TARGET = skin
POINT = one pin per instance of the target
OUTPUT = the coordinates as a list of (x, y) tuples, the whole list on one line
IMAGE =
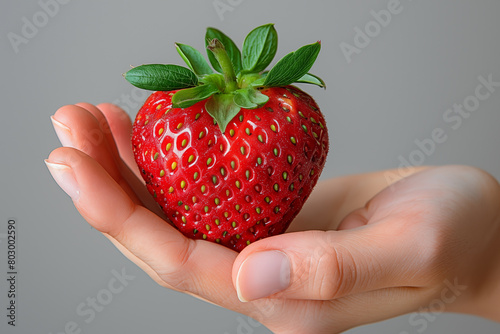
[(360, 240)]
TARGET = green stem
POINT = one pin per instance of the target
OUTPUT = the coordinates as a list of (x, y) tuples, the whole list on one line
[(225, 63)]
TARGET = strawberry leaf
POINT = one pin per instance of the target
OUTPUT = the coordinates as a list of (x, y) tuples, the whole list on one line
[(259, 82), (250, 98), (222, 108), (312, 79), (161, 77), (293, 66), (193, 59), (259, 48), (187, 97), (216, 79), (231, 49)]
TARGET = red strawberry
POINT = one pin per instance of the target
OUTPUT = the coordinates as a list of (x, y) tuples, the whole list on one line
[(234, 159)]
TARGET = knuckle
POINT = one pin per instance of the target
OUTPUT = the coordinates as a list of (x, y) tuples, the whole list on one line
[(175, 269), (334, 276), (327, 282)]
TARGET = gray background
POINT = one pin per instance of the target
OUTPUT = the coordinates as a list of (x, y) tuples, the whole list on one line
[(395, 91)]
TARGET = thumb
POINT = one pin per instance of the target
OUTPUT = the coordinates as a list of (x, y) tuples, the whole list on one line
[(324, 265)]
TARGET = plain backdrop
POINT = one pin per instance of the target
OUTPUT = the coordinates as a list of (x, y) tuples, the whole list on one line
[(388, 91)]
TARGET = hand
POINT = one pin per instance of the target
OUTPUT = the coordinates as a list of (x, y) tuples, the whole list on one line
[(429, 242), (397, 248)]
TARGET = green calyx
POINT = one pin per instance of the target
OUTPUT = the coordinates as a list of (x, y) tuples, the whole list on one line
[(238, 77)]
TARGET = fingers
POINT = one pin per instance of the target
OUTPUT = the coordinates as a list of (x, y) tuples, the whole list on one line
[(326, 265), (85, 127), (121, 128), (199, 267), (82, 129), (79, 128)]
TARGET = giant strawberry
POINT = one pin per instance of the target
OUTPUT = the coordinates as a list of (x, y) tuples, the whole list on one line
[(230, 156)]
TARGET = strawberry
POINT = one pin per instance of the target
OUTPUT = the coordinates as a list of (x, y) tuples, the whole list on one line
[(230, 156)]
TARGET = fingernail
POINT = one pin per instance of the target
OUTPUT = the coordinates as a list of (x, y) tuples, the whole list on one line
[(65, 178), (63, 132), (263, 274)]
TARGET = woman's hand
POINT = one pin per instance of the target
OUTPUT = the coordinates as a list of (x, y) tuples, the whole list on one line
[(361, 250)]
